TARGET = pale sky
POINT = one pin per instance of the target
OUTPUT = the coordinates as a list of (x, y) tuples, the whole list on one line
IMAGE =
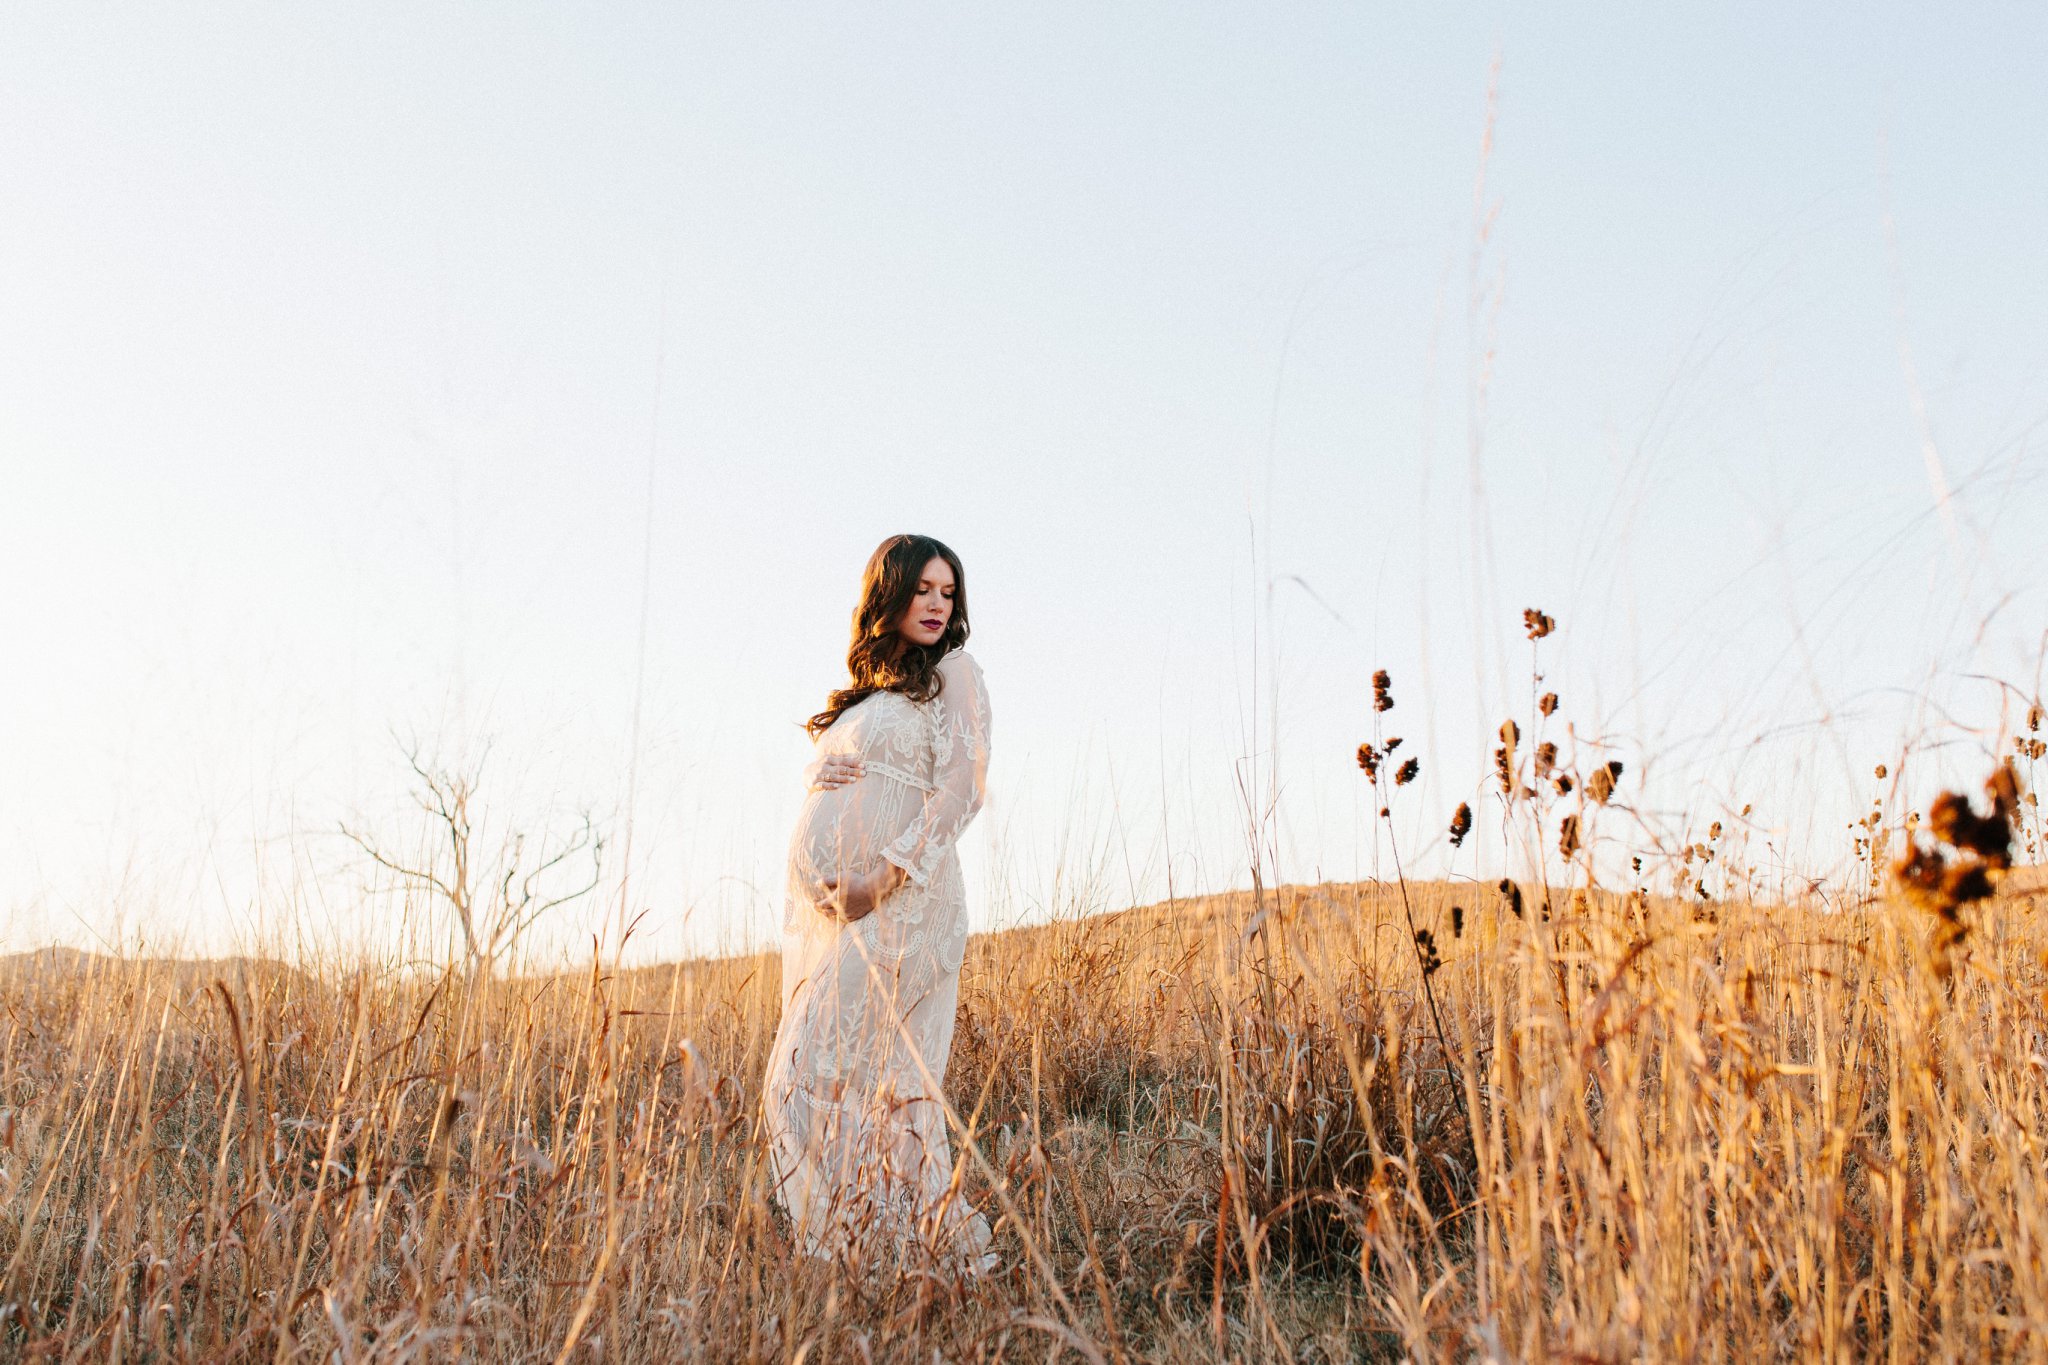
[(386, 370)]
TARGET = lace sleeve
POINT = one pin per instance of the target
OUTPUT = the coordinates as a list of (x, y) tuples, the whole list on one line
[(959, 770)]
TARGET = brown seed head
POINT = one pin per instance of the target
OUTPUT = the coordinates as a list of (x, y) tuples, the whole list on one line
[(2034, 716), (1882, 772), (1369, 759), (1600, 786), (1408, 772), (1425, 948), (1457, 921), (1548, 705), (1962, 868), (1382, 691), (1537, 624), (1568, 837), (1952, 820), (1514, 895), (1546, 758), (1461, 824), (2003, 787)]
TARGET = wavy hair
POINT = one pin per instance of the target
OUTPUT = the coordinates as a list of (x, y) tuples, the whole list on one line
[(880, 659)]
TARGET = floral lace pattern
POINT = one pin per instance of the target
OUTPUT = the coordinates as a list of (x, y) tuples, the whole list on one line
[(856, 1130)]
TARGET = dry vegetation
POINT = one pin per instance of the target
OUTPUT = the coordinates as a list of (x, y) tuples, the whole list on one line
[(1554, 1122)]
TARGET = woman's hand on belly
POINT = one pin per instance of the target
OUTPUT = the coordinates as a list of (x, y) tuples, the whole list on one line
[(855, 896), (828, 772)]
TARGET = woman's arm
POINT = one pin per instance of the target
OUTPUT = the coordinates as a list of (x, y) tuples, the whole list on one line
[(959, 771)]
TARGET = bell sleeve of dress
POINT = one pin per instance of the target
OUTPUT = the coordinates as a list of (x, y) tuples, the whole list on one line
[(959, 770)]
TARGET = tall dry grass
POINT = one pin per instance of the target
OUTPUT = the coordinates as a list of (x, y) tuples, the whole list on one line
[(1519, 1121), (1755, 1132)]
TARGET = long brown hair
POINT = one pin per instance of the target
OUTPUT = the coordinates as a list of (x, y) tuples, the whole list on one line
[(880, 659)]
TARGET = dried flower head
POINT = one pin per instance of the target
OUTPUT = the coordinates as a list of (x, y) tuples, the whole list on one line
[(1461, 824), (1537, 624), (1714, 830), (1546, 758), (1961, 865), (1457, 921), (1951, 819), (1504, 769), (1883, 772), (1382, 691), (1929, 880), (1548, 704), (1568, 837), (1564, 784), (1513, 894), (2034, 716), (1408, 772), (1393, 744), (1425, 948), (1600, 786), (1369, 759)]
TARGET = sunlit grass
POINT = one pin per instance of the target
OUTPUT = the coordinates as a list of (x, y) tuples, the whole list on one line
[(1543, 1117), (1728, 1131)]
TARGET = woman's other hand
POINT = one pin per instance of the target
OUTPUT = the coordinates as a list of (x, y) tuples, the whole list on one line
[(855, 897), (828, 772)]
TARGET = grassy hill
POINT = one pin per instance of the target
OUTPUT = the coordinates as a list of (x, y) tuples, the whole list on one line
[(1233, 1126)]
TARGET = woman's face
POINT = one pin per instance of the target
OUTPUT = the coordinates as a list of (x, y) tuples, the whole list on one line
[(932, 609)]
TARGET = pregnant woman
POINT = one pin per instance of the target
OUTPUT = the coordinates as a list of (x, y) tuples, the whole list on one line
[(874, 929)]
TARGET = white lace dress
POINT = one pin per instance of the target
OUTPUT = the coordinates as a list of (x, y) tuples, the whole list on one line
[(857, 1132)]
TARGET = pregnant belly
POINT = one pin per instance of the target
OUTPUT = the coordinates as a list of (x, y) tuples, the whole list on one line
[(834, 835)]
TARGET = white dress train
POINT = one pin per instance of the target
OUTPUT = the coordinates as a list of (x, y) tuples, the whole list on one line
[(854, 1111)]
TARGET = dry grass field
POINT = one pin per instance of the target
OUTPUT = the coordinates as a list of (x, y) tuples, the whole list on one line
[(1667, 1130), (1529, 1119)]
